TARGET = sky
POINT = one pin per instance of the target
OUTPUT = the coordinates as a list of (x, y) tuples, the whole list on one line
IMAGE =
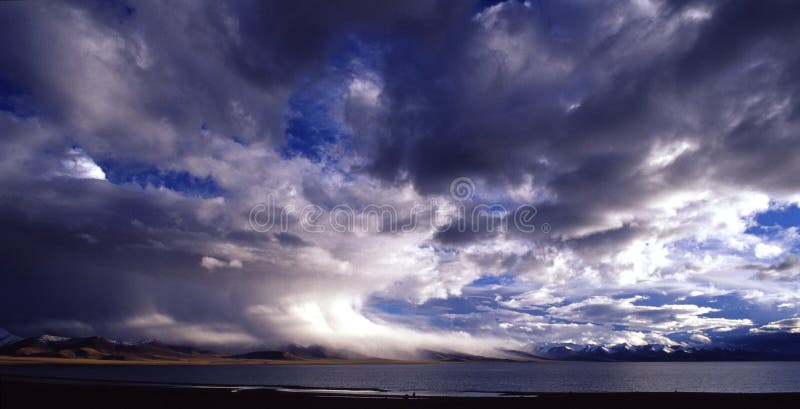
[(390, 176)]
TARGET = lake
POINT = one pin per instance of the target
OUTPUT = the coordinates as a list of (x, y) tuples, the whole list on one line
[(459, 378)]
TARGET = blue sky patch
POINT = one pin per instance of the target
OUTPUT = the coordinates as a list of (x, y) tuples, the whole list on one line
[(787, 216), (488, 280), (148, 175), (311, 127), (15, 99), (313, 120), (771, 222)]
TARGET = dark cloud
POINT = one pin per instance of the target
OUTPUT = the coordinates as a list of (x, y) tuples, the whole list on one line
[(177, 67), (630, 98), (291, 240), (786, 270), (112, 254)]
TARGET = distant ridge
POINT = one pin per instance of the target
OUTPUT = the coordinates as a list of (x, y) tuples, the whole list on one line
[(50, 346)]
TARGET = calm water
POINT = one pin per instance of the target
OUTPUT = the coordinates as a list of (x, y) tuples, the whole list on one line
[(452, 378)]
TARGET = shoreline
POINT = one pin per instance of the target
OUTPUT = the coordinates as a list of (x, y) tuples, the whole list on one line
[(28, 393)]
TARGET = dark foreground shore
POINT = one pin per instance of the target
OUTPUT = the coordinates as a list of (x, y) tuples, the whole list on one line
[(16, 393)]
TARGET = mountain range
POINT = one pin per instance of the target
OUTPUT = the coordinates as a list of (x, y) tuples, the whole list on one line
[(769, 347), (777, 346), (50, 346)]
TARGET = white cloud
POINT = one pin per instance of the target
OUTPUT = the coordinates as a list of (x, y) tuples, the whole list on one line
[(668, 318), (790, 325), (364, 91), (165, 328), (339, 322), (763, 250), (212, 263), (533, 298), (77, 164)]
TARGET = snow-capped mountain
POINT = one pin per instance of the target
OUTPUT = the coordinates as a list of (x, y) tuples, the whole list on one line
[(782, 346)]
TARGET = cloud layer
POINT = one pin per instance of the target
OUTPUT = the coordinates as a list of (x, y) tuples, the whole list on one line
[(651, 138)]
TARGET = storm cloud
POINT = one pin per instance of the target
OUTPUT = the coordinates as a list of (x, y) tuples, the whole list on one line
[(651, 138)]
